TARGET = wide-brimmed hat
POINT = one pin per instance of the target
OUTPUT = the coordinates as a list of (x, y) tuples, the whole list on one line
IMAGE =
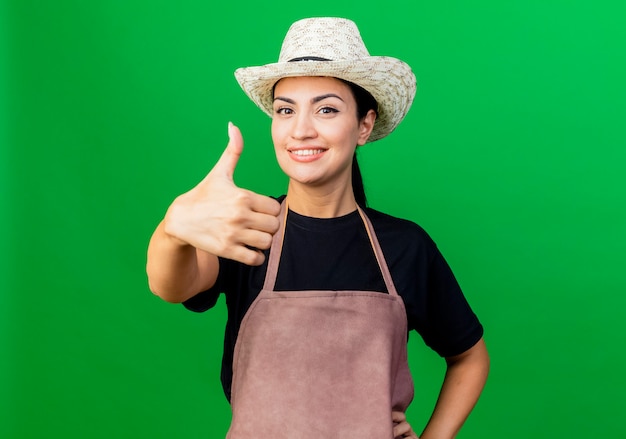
[(334, 47)]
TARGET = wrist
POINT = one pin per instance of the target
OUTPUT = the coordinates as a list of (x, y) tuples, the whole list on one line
[(169, 232), (172, 226)]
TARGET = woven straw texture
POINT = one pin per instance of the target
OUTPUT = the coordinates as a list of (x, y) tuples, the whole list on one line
[(338, 40)]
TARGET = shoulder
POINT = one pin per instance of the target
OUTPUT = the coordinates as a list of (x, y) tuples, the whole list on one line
[(399, 231), (410, 252), (376, 216)]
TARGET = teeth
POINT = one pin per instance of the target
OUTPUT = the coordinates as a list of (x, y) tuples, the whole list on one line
[(303, 152)]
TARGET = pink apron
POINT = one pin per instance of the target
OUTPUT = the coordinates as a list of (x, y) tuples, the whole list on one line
[(320, 364)]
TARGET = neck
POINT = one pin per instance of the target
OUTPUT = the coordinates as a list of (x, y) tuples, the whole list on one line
[(320, 202)]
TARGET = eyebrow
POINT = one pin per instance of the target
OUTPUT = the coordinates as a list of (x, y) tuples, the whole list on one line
[(315, 100)]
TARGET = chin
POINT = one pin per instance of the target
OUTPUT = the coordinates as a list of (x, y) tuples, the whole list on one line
[(305, 180), (302, 176)]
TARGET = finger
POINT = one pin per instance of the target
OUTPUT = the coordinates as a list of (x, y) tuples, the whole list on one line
[(398, 416), (403, 429), (264, 204), (262, 222), (245, 255), (255, 239), (228, 161)]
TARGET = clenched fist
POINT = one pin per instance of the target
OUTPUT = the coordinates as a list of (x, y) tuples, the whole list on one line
[(222, 219)]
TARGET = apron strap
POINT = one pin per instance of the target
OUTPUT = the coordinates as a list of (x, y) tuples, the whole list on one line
[(378, 251), (277, 248)]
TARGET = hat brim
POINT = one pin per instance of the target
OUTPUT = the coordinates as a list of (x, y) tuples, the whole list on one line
[(390, 81)]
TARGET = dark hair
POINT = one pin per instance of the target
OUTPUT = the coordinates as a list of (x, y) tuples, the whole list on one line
[(364, 103)]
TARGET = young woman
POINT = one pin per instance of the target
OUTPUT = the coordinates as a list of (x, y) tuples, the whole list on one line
[(320, 289)]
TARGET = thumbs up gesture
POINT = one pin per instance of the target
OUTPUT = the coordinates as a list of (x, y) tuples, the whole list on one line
[(222, 219)]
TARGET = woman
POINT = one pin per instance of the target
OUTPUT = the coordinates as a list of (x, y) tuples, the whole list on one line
[(320, 289)]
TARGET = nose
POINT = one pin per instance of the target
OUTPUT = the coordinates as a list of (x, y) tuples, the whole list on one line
[(303, 127)]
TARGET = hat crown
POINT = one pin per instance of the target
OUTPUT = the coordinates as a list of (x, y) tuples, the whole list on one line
[(333, 47), (333, 39)]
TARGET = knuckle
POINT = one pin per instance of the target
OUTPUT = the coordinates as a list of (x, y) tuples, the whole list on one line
[(275, 225), (265, 241), (233, 222), (253, 258), (242, 197), (229, 237), (239, 216), (221, 248), (276, 208)]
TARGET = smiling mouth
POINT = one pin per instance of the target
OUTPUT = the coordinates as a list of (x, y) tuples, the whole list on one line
[(306, 152)]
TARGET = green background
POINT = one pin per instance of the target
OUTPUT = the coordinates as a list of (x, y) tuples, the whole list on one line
[(512, 158)]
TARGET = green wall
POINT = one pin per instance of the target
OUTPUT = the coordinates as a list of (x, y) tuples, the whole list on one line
[(512, 157)]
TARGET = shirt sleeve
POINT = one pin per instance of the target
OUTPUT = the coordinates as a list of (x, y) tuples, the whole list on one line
[(450, 326), (203, 301)]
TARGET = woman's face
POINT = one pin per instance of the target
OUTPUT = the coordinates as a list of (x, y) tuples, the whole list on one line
[(315, 129)]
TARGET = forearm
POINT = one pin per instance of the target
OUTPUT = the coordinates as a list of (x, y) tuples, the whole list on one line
[(463, 383), (173, 267)]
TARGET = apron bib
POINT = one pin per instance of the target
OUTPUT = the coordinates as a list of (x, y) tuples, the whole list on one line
[(320, 364)]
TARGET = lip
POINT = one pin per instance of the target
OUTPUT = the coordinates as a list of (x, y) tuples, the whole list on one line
[(305, 154)]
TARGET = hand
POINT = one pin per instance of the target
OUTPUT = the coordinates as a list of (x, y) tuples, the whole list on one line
[(401, 428), (222, 219)]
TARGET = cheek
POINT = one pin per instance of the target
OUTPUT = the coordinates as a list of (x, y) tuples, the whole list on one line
[(278, 132), (278, 141)]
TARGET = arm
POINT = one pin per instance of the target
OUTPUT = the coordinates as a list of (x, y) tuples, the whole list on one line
[(464, 381), (176, 270), (214, 219)]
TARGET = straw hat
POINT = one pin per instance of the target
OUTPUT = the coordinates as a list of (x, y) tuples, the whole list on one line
[(334, 47)]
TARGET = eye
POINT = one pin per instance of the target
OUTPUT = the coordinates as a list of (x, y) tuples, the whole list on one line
[(328, 110), (284, 110)]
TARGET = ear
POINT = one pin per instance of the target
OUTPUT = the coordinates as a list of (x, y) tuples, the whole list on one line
[(366, 125)]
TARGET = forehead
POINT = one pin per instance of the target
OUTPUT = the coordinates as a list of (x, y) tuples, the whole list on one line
[(312, 85)]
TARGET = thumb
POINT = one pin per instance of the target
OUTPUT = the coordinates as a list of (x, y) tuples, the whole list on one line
[(228, 161)]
